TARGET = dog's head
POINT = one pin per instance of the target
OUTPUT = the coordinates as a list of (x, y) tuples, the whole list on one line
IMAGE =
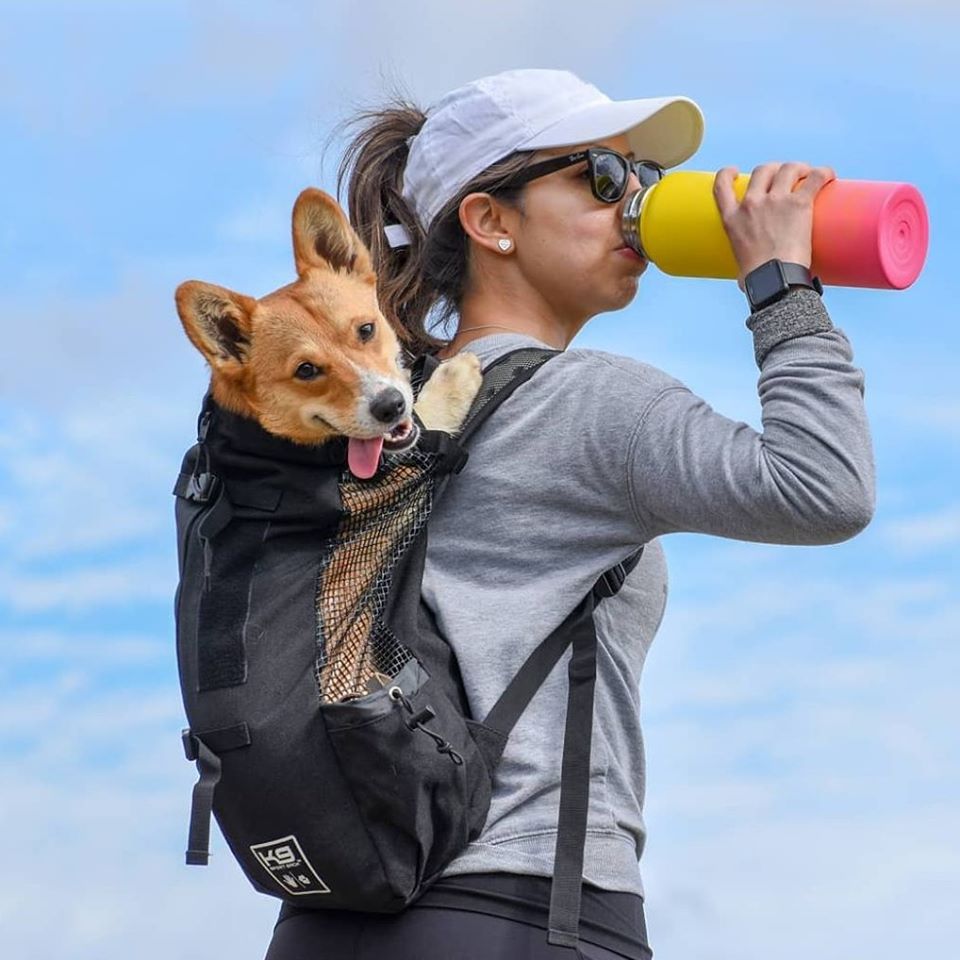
[(315, 359)]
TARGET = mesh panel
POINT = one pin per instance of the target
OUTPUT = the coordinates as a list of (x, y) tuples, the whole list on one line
[(498, 377), (356, 652)]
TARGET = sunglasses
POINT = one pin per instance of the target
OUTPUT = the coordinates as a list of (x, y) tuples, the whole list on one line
[(609, 171)]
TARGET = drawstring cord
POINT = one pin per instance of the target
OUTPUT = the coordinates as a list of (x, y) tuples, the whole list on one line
[(416, 721)]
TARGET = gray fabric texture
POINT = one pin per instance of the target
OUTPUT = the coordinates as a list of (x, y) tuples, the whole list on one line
[(799, 312), (595, 455)]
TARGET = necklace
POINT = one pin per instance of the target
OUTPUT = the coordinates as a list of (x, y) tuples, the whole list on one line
[(485, 326), (481, 326)]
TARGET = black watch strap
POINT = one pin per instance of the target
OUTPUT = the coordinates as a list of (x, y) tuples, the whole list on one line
[(798, 274), (770, 281)]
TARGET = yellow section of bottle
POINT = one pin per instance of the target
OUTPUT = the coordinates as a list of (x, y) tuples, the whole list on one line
[(680, 226)]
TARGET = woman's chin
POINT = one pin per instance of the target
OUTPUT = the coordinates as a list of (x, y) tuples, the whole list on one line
[(627, 290)]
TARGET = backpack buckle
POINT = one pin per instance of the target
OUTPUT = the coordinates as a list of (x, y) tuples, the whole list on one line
[(201, 487), (189, 744)]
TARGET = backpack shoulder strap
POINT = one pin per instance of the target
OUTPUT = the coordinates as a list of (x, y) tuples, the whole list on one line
[(500, 378), (542, 659), (612, 580)]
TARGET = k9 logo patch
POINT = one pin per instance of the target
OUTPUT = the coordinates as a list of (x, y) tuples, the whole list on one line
[(285, 862)]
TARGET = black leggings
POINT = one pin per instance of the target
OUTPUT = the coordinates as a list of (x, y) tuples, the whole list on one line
[(418, 933)]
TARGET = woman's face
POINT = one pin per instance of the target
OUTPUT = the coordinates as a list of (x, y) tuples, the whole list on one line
[(569, 247)]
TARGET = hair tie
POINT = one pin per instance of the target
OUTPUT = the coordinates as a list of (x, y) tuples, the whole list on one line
[(397, 235)]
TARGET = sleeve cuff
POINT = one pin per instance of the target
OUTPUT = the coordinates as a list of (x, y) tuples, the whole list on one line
[(798, 313)]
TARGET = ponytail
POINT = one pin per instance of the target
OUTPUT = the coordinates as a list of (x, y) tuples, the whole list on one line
[(429, 275), (372, 165)]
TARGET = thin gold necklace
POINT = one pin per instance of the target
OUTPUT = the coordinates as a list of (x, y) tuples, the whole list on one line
[(483, 326), (486, 326)]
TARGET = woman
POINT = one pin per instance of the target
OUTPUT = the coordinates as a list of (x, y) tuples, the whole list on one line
[(595, 455)]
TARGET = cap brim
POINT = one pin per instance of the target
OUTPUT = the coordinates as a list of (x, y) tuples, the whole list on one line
[(665, 129)]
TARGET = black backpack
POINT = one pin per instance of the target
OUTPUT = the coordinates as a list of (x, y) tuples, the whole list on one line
[(328, 719)]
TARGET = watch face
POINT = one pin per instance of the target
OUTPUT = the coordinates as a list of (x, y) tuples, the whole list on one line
[(765, 282)]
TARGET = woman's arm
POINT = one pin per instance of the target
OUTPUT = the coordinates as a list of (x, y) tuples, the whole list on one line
[(808, 478)]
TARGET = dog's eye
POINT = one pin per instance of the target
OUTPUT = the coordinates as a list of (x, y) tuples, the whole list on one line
[(366, 331), (308, 371)]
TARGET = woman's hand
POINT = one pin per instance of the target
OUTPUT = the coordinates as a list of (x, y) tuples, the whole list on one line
[(775, 217)]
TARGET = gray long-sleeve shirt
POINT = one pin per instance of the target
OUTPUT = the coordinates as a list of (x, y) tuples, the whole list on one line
[(593, 456)]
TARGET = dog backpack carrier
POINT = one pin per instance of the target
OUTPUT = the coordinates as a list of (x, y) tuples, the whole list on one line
[(328, 719)]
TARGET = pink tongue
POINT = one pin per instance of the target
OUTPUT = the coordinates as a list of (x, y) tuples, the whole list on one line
[(363, 456)]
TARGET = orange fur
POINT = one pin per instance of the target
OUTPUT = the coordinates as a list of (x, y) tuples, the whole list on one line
[(255, 346)]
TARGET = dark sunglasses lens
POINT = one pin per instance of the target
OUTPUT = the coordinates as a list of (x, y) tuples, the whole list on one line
[(609, 176), (648, 173)]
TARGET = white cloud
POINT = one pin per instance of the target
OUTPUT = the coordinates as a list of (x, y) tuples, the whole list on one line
[(800, 743), (788, 593), (925, 532), (91, 651), (839, 887), (99, 792), (97, 354), (654, 46), (92, 478), (78, 488), (173, 57), (89, 588), (89, 464), (109, 851)]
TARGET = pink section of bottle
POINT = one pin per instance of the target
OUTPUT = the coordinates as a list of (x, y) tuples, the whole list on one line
[(869, 233)]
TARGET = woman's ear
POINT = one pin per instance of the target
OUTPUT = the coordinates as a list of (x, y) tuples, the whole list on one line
[(487, 221)]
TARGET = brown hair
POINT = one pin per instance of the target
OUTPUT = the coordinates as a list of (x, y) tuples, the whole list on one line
[(431, 274)]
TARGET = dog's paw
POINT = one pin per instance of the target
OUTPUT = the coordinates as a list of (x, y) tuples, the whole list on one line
[(447, 396), (459, 376)]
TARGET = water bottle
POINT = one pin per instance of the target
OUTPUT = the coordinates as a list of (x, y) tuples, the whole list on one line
[(866, 233)]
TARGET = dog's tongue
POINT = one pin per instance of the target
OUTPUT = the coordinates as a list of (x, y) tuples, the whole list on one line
[(363, 456)]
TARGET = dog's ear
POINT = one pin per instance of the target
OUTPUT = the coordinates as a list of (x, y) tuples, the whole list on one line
[(217, 321), (323, 238)]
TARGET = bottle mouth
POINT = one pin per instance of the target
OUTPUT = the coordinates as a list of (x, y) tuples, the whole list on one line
[(630, 222)]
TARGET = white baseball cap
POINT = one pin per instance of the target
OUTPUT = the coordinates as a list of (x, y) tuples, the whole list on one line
[(474, 126)]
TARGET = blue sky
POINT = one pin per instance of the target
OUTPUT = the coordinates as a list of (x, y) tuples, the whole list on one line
[(799, 702)]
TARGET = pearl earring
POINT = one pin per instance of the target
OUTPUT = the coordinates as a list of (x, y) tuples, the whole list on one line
[(505, 244)]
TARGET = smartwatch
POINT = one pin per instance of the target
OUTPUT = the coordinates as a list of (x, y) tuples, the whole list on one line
[(771, 280)]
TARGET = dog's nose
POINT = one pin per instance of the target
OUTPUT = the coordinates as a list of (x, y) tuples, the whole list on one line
[(388, 406)]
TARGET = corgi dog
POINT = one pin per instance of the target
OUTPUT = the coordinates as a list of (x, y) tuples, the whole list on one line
[(317, 359)]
